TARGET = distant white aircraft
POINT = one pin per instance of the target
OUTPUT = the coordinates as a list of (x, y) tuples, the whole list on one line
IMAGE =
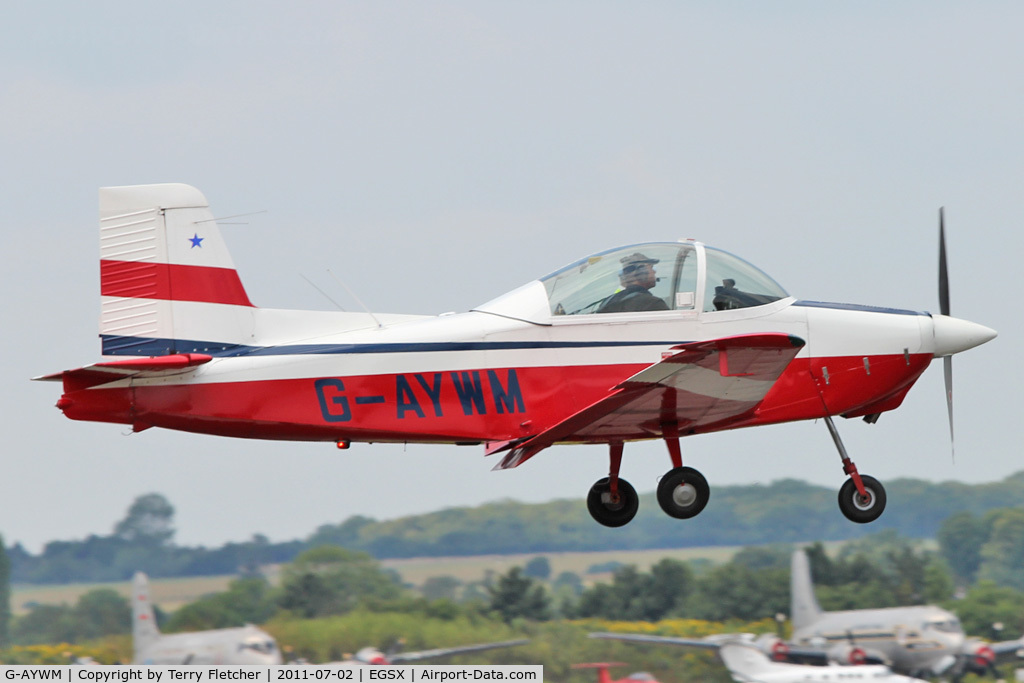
[(922, 639), (370, 656), (744, 657), (244, 645)]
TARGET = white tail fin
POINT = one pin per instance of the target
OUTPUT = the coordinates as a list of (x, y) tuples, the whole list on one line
[(167, 281), (144, 628), (804, 607)]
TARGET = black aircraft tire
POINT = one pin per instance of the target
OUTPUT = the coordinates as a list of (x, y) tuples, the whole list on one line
[(856, 510), (612, 514), (683, 492)]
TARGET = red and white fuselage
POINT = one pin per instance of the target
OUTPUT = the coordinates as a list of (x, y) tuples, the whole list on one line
[(185, 349)]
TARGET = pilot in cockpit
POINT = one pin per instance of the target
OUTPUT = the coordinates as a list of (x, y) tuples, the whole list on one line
[(637, 277)]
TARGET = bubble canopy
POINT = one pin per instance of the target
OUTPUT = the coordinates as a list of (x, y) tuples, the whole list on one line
[(650, 278)]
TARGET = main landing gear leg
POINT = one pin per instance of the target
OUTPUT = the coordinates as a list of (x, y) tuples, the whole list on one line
[(683, 491), (613, 501), (861, 498)]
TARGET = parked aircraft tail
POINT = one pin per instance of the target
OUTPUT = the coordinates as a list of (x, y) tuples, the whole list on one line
[(804, 607), (144, 628), (166, 276)]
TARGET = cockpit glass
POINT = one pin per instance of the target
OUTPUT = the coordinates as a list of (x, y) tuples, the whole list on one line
[(733, 283), (645, 277), (261, 646), (945, 626)]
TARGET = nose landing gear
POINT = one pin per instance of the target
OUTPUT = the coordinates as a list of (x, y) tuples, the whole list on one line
[(861, 498)]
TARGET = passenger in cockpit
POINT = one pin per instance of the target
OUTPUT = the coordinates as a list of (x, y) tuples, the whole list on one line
[(636, 277)]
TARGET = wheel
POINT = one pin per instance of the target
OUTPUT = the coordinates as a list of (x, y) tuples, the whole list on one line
[(683, 492), (861, 510), (608, 513)]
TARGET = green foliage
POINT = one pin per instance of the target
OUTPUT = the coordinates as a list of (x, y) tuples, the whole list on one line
[(960, 539), (441, 588), (881, 570), (538, 568), (150, 520), (517, 596), (247, 601), (989, 548), (109, 652), (332, 580), (783, 512), (1002, 555), (776, 556), (100, 612), (734, 591), (986, 604), (331, 638), (5, 596), (567, 584), (558, 645), (636, 595)]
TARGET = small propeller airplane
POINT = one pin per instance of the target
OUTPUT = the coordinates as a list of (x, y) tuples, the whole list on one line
[(371, 656), (748, 660), (658, 340), (603, 675), (919, 641), (923, 640)]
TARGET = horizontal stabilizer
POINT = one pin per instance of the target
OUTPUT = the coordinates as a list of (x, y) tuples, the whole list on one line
[(110, 371), (175, 361)]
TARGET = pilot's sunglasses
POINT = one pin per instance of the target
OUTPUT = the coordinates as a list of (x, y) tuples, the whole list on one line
[(635, 267)]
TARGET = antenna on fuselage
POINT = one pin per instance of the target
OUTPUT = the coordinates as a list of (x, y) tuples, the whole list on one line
[(358, 300), (326, 295), (237, 215)]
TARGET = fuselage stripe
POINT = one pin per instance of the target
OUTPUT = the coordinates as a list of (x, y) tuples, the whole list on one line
[(141, 346)]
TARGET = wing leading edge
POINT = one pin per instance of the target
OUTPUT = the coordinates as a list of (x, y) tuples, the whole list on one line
[(706, 383)]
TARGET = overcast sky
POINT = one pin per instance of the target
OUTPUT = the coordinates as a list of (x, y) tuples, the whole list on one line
[(437, 154)]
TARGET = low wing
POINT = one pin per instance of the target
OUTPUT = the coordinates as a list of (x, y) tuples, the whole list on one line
[(1008, 649), (403, 657), (702, 643), (702, 384)]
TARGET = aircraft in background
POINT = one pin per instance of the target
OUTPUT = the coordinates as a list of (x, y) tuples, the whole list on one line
[(243, 645), (747, 662), (373, 656), (923, 639), (658, 340), (604, 677)]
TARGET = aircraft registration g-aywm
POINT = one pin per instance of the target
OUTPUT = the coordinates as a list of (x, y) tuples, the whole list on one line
[(657, 340)]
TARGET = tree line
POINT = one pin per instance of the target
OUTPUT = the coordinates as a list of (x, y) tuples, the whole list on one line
[(348, 595), (785, 511)]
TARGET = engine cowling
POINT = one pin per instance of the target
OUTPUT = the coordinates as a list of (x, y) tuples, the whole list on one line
[(980, 658), (847, 654)]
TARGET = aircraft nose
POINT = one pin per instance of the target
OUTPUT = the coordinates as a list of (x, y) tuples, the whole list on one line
[(953, 335)]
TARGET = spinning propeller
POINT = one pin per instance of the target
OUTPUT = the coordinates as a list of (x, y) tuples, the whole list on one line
[(947, 362), (952, 335)]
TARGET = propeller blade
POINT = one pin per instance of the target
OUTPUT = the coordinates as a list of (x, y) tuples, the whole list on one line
[(947, 371), (943, 272), (947, 362)]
